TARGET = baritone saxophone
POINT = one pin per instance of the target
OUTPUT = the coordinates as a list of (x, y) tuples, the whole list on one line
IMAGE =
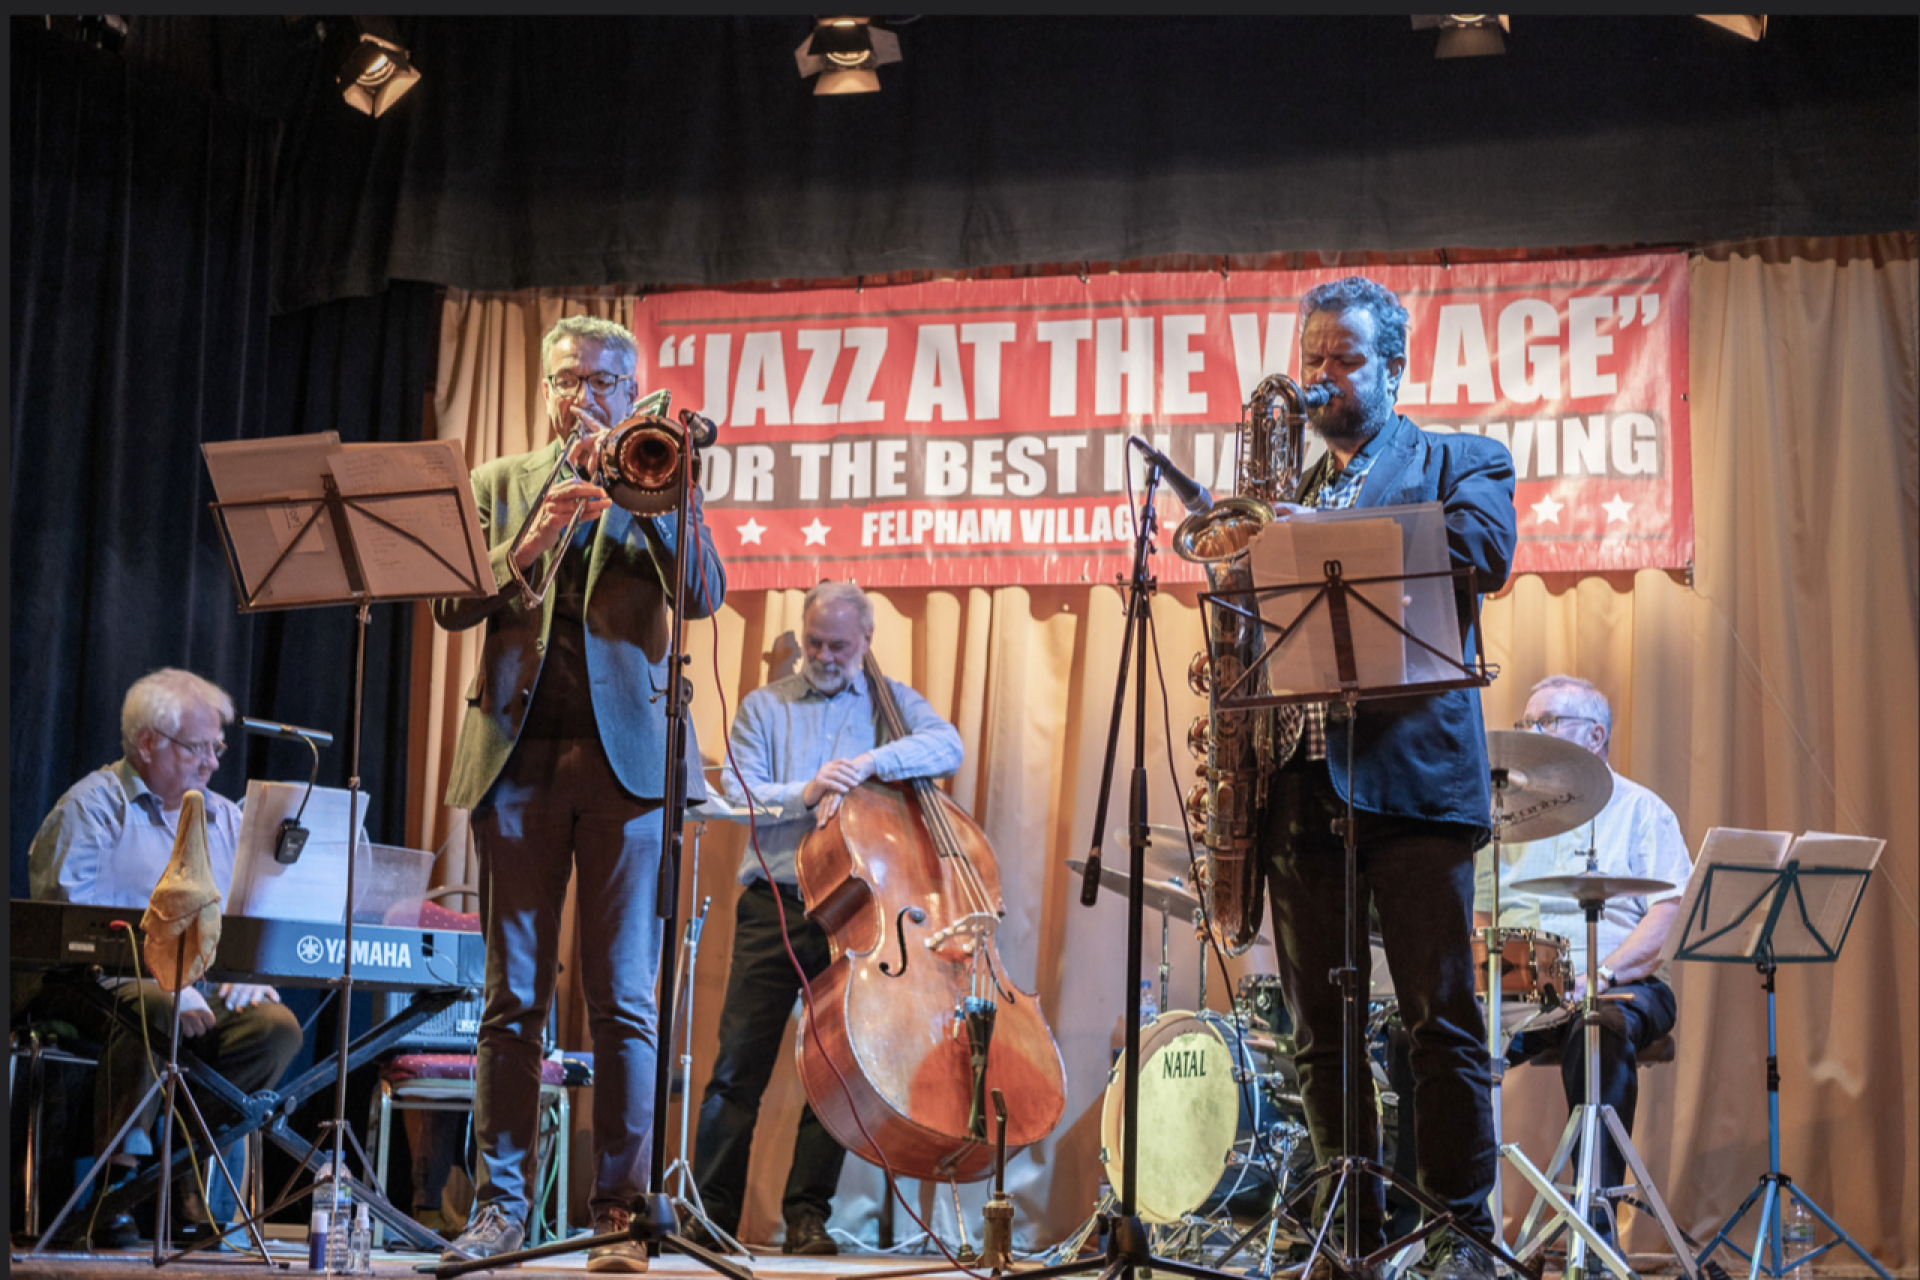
[(1238, 748)]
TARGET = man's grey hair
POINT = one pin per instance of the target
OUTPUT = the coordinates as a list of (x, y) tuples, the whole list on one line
[(1586, 698), (846, 593), (161, 699), (1358, 292), (608, 333)]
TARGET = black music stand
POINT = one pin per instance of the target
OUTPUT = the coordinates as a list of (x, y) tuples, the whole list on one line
[(1778, 897), (390, 523), (652, 1219), (1333, 604)]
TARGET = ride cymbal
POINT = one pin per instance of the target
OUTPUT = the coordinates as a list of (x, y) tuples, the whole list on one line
[(1542, 785)]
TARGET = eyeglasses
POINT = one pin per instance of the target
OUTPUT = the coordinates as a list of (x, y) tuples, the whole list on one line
[(211, 750), (568, 383), (1550, 721)]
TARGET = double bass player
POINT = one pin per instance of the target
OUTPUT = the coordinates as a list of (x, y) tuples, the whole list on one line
[(800, 743)]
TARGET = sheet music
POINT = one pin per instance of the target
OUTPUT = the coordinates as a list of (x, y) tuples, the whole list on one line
[(1732, 893), (1829, 900), (412, 545), (293, 468), (1296, 550), (315, 886)]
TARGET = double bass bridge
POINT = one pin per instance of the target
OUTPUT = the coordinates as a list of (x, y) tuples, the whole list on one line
[(972, 931)]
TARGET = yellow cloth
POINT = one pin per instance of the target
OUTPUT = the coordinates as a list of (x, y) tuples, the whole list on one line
[(185, 902)]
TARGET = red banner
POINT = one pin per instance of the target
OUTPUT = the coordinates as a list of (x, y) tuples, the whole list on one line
[(974, 432)]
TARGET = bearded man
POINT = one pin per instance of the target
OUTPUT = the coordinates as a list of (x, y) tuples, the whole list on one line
[(800, 744), (1419, 788)]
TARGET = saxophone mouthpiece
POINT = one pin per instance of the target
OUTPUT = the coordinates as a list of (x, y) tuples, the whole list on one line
[(1312, 397)]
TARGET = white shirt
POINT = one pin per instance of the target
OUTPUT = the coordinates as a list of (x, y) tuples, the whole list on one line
[(1636, 834)]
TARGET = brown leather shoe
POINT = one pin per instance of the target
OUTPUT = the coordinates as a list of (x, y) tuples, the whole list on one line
[(622, 1255)]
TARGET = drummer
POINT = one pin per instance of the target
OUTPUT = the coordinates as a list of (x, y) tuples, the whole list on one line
[(1635, 835)]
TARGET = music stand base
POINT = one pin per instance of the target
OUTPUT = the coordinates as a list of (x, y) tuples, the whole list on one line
[(650, 1223), (1770, 1192)]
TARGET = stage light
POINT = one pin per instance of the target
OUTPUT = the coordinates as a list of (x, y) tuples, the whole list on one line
[(1750, 25), (1466, 35), (373, 70), (844, 52)]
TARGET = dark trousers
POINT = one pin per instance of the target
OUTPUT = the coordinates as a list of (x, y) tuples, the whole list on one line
[(559, 811), (1418, 878), (761, 988), (1626, 1027)]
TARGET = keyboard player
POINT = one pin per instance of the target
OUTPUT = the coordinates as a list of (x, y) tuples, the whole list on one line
[(105, 843)]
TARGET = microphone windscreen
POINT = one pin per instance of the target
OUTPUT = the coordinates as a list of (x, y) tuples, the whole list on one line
[(184, 904)]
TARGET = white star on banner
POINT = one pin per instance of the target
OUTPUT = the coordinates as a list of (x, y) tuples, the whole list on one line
[(750, 532), (1617, 509), (816, 533), (1547, 510)]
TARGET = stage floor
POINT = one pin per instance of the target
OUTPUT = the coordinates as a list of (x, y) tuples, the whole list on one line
[(774, 1266)]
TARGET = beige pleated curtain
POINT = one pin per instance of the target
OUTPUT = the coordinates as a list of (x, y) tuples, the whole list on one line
[(1779, 689)]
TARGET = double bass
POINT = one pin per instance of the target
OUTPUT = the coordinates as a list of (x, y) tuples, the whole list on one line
[(916, 1019)]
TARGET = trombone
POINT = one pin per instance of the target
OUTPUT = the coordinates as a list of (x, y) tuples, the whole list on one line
[(637, 463)]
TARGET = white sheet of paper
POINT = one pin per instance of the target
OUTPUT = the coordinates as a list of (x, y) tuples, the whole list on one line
[(1296, 550), (315, 886), (1829, 900), (420, 544), (1732, 892)]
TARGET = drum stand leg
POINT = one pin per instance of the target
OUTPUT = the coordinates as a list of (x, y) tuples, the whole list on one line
[(1585, 1123)]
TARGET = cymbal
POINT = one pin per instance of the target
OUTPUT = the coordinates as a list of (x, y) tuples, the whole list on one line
[(1166, 849), (1170, 896), (1591, 886), (1550, 785)]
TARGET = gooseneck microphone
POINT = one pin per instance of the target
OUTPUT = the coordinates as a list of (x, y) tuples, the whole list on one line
[(1192, 494), (273, 729)]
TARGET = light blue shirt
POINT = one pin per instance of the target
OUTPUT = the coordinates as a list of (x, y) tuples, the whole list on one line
[(784, 732), (108, 839)]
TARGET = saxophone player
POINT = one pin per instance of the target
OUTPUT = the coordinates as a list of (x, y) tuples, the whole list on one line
[(1421, 795)]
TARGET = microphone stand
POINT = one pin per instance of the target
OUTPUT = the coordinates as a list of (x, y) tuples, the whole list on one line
[(652, 1221), (1129, 1248)]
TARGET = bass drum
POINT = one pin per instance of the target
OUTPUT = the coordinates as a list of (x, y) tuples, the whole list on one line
[(1201, 1100)]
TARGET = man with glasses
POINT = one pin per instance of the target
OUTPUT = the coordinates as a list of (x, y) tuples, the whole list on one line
[(1636, 835), (105, 843), (562, 759)]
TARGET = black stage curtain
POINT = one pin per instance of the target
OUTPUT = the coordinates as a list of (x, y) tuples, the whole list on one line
[(544, 152), (140, 330)]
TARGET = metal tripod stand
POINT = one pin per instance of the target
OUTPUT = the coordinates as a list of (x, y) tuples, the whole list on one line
[(169, 1085)]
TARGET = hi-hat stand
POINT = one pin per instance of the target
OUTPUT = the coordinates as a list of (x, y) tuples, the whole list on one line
[(1591, 1122)]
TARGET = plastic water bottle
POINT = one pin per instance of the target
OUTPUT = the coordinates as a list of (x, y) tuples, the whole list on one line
[(339, 1228), (317, 1229), (1148, 1009), (360, 1243), (1796, 1242)]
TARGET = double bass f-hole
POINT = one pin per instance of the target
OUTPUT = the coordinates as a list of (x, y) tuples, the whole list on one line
[(900, 918)]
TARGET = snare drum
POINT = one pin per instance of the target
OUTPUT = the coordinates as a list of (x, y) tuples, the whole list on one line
[(1533, 965), (1200, 1095)]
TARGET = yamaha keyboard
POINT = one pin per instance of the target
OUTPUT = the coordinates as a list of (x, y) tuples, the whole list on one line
[(290, 953)]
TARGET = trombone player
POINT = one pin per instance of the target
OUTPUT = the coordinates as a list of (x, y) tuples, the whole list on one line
[(561, 757)]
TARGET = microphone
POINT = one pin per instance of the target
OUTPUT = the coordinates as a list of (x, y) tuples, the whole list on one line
[(700, 431), (1192, 494), (273, 729)]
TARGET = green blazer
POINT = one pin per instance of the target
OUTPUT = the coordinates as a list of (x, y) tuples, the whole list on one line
[(628, 635)]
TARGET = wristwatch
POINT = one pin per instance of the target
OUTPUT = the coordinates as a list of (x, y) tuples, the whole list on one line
[(1607, 974)]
